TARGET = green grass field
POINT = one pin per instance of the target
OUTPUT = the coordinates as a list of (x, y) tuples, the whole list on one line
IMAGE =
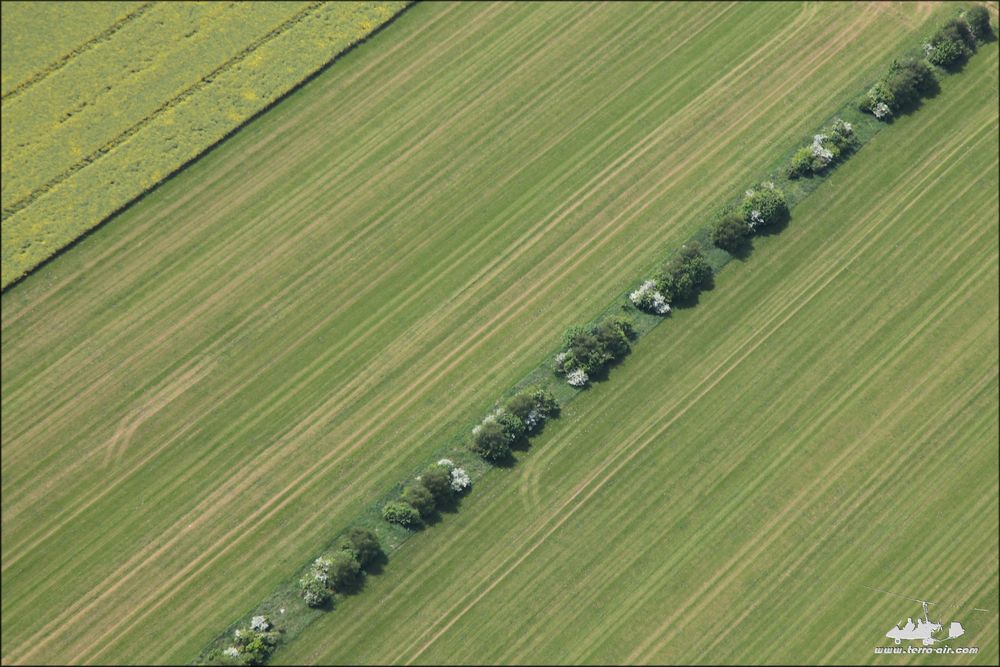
[(123, 95), (199, 394), (825, 419)]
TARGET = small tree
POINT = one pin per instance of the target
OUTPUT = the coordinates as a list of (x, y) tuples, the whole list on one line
[(978, 19), (437, 480), (314, 591), (420, 498), (491, 442), (520, 405), (364, 545), (545, 402), (730, 232), (909, 80), (401, 513), (513, 426), (344, 570), (764, 207), (800, 165), (952, 44), (684, 274)]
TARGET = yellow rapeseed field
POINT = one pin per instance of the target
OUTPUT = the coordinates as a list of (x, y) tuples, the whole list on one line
[(102, 100)]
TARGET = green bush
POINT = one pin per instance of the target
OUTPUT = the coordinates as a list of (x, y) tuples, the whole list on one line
[(978, 19), (587, 351), (363, 544), (800, 165), (491, 442), (909, 80), (764, 207), (520, 405), (532, 406), (583, 351), (731, 232), (401, 513), (843, 137), (417, 496), (314, 591), (685, 274), (437, 480), (614, 334), (947, 54), (952, 44), (343, 571)]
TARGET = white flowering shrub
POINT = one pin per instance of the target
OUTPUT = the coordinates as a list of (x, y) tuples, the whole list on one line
[(648, 298), (533, 420), (821, 154), (882, 111), (577, 378), (828, 147), (321, 570), (447, 463), (764, 207), (260, 624), (314, 590), (252, 647), (460, 480)]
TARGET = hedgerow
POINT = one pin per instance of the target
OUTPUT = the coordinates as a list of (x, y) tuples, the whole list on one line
[(832, 145)]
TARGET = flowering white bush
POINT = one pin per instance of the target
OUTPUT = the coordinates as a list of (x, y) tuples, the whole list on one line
[(882, 110), (577, 378), (928, 47), (821, 153), (447, 463), (560, 362), (260, 624), (238, 635), (648, 298), (756, 219), (460, 480), (314, 590), (232, 652), (534, 420), (321, 570)]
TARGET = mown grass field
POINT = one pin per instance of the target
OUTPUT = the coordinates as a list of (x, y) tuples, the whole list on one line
[(123, 95), (198, 394), (825, 420)]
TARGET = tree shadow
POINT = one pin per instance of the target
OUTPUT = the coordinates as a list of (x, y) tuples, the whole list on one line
[(776, 227), (376, 565)]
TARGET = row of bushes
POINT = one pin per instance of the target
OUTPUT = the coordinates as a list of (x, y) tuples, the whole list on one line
[(509, 426), (434, 490), (252, 645), (587, 351), (830, 146), (343, 570), (910, 79), (762, 208)]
